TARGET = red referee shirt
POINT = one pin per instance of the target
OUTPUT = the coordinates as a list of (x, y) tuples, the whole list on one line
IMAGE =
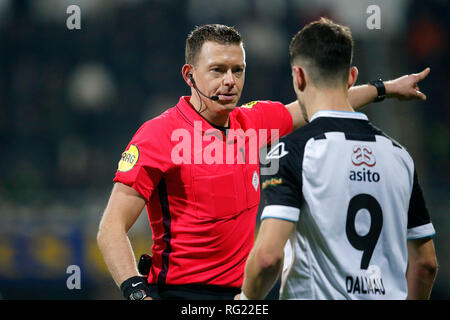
[(201, 205)]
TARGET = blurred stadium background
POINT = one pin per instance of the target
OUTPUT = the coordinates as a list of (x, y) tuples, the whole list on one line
[(70, 100)]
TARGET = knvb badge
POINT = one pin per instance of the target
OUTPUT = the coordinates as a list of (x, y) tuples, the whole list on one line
[(255, 180)]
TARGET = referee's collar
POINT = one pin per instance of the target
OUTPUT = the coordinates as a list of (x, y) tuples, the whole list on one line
[(339, 114)]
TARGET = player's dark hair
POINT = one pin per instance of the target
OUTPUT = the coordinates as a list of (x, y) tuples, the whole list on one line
[(210, 32), (326, 48)]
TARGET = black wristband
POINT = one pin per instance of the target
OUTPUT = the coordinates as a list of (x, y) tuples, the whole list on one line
[(381, 89), (134, 284)]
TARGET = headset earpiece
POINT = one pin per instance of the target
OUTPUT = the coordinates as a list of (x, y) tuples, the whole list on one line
[(191, 77)]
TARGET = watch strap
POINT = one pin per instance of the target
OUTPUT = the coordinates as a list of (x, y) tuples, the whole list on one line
[(132, 285), (381, 89)]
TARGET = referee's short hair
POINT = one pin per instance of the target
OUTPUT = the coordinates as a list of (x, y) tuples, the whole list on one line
[(210, 32), (325, 49)]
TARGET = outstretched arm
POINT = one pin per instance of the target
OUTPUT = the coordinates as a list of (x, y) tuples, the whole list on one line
[(402, 88)]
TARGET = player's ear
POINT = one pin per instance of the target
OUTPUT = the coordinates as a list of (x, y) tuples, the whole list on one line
[(299, 75), (187, 72), (352, 76)]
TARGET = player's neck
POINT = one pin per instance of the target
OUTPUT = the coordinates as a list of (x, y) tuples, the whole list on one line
[(331, 99)]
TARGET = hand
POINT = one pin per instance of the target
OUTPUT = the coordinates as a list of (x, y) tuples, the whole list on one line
[(237, 297), (148, 298), (406, 87)]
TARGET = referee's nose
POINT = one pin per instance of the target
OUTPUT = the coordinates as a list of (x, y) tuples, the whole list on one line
[(228, 79)]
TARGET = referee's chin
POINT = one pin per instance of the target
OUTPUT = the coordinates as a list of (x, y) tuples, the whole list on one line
[(226, 107)]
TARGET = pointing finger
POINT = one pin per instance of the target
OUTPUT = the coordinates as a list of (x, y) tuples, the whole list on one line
[(422, 75)]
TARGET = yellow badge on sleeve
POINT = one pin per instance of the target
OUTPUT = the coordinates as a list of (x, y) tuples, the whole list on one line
[(129, 159), (249, 105)]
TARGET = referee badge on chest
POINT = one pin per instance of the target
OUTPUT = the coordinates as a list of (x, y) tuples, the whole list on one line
[(255, 180)]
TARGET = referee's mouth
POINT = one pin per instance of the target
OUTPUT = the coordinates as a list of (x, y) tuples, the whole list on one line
[(227, 96)]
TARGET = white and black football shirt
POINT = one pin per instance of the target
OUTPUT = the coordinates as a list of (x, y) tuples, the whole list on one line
[(355, 198)]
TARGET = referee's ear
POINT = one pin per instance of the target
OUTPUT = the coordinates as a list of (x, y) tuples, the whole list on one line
[(187, 70), (352, 76)]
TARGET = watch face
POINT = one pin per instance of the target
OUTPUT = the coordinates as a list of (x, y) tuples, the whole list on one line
[(137, 295)]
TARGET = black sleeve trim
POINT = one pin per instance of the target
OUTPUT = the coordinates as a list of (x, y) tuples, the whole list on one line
[(417, 213)]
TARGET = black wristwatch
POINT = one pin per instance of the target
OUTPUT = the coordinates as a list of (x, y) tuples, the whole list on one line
[(138, 295), (135, 288), (381, 89)]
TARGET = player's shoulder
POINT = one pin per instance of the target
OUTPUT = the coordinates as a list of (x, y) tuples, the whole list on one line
[(294, 143), (390, 141), (299, 137), (384, 135)]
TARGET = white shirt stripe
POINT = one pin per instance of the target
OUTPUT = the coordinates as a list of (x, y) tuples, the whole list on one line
[(426, 230), (281, 212)]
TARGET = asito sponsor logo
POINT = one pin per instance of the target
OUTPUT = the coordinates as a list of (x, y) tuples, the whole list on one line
[(363, 156), (364, 175)]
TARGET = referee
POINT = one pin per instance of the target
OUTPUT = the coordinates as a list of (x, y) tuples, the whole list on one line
[(345, 210)]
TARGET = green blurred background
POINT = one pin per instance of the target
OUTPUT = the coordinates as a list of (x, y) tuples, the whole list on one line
[(70, 100)]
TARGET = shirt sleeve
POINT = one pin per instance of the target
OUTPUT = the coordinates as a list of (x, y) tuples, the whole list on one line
[(419, 222), (283, 190), (272, 116), (144, 161)]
